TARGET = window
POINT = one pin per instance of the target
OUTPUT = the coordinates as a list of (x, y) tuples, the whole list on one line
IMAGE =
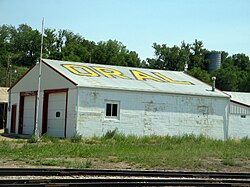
[(243, 116), (112, 110)]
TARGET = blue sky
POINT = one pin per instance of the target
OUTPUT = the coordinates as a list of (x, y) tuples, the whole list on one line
[(222, 25)]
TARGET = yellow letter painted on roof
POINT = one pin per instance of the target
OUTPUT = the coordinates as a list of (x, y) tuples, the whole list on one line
[(170, 80), (80, 70), (143, 76), (110, 73)]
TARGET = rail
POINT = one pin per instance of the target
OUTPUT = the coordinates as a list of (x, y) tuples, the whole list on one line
[(79, 177)]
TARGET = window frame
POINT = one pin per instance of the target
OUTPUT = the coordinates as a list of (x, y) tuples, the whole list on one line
[(117, 103)]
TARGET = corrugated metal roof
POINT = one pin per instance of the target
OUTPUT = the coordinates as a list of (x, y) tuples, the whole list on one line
[(128, 78), (240, 97), (4, 95)]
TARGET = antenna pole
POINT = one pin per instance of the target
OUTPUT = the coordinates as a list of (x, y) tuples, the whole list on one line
[(36, 130)]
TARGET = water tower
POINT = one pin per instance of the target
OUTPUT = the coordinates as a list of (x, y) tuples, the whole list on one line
[(214, 58)]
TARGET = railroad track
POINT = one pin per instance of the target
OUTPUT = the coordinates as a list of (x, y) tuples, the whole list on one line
[(77, 177)]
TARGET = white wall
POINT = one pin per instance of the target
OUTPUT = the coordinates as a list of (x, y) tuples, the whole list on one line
[(50, 80), (150, 113), (239, 121), (71, 113), (14, 100)]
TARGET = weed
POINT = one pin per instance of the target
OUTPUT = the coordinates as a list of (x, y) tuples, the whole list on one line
[(33, 139), (76, 138), (110, 134), (20, 141), (45, 138), (186, 152), (91, 141), (54, 139), (228, 161), (51, 162), (86, 164), (4, 142)]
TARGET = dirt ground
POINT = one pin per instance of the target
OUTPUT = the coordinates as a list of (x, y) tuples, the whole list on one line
[(2, 137)]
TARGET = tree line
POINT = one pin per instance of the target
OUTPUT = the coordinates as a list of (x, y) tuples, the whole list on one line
[(20, 49)]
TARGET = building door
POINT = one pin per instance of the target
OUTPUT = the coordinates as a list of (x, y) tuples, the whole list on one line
[(27, 111), (54, 117), (56, 114), (13, 119), (29, 114)]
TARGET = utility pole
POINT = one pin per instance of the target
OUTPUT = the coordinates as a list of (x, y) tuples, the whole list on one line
[(9, 71), (36, 130)]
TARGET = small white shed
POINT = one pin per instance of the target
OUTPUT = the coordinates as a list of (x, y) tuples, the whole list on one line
[(90, 99), (239, 120), (3, 106)]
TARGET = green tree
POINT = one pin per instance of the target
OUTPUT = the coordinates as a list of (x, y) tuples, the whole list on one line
[(245, 86), (226, 79), (49, 44), (241, 61), (197, 56), (26, 45), (114, 53), (77, 48), (168, 58), (200, 74), (6, 48)]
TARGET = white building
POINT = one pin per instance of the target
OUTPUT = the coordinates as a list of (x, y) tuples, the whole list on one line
[(3, 106), (239, 120), (90, 99)]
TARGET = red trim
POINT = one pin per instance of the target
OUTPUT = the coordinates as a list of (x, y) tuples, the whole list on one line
[(45, 113), (31, 93), (60, 73), (21, 109), (56, 90), (45, 109), (227, 94), (20, 120), (35, 113), (243, 104), (13, 119), (48, 66), (66, 112)]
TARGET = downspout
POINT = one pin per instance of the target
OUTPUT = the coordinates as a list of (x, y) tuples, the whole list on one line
[(77, 110), (227, 119)]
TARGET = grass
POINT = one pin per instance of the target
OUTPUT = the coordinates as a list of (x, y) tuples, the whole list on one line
[(151, 152)]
